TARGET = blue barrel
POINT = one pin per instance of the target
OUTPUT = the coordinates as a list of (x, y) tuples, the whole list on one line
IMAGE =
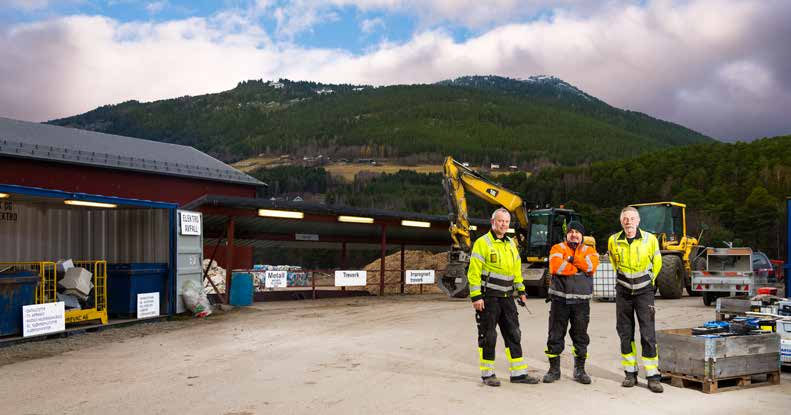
[(126, 281), (241, 288), (17, 289)]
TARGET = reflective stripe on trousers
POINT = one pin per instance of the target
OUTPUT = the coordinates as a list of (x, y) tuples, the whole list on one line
[(570, 296), (629, 361), (517, 366), (487, 366)]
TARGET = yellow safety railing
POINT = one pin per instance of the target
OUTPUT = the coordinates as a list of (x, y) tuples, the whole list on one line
[(46, 291)]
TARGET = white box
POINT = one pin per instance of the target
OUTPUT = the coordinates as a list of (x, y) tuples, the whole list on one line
[(785, 351), (77, 281), (783, 328)]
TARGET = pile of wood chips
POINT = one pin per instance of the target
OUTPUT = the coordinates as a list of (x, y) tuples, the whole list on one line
[(413, 260)]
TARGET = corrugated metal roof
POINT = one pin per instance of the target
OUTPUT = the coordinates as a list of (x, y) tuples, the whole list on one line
[(70, 145)]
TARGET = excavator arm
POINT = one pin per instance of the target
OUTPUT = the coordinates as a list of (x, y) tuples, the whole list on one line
[(459, 180)]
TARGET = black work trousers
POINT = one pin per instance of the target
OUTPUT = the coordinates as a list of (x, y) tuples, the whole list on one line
[(627, 306), (560, 315), (498, 311)]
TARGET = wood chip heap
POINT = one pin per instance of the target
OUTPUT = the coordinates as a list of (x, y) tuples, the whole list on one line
[(413, 260)]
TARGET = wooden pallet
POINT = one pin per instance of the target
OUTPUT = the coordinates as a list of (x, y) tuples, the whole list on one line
[(723, 384)]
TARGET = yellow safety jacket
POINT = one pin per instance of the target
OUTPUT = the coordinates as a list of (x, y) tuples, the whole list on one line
[(495, 268), (636, 264)]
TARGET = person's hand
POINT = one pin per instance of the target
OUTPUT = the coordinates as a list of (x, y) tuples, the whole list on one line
[(477, 305), (523, 297)]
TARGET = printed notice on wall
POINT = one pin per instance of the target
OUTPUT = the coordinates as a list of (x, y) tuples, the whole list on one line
[(190, 223), (147, 305), (350, 278), (43, 319), (423, 276), (276, 279)]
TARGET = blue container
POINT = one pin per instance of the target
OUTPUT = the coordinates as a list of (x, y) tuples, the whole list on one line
[(241, 288), (126, 281), (16, 290)]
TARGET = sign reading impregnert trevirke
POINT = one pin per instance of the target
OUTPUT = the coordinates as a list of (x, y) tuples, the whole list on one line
[(43, 318), (422, 276), (350, 278)]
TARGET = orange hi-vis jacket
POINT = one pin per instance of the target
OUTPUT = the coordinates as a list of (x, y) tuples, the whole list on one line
[(572, 272)]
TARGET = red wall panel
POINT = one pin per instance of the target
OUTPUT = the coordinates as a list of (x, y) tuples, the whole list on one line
[(109, 182), (242, 256)]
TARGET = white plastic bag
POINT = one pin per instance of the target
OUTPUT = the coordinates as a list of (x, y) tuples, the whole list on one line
[(195, 299)]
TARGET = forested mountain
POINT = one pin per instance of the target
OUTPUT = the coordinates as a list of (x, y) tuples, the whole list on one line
[(522, 122), (736, 190)]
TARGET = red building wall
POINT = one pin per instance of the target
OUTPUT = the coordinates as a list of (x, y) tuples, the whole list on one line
[(242, 256), (109, 182)]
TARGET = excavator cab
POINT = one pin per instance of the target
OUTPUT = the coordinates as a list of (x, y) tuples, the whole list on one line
[(547, 227)]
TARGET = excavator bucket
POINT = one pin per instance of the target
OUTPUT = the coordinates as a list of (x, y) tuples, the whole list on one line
[(454, 281)]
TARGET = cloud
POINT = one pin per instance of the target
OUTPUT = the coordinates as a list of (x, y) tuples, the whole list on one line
[(368, 26), (156, 7), (720, 67)]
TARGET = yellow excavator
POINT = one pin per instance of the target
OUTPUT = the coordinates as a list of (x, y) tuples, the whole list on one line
[(535, 231)]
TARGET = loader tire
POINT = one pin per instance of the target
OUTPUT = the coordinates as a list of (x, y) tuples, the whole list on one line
[(698, 264), (670, 280)]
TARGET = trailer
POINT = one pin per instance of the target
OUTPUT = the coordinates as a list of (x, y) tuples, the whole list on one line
[(728, 272)]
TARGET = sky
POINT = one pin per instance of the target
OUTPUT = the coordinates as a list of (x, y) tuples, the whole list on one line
[(720, 67)]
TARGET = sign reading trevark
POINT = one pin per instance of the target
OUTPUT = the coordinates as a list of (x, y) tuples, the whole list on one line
[(43, 318), (190, 223), (276, 279), (351, 278), (423, 276)]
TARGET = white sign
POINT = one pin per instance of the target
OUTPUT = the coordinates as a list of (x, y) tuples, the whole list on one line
[(276, 279), (306, 236), (43, 318), (425, 276), (190, 223), (350, 278), (147, 305)]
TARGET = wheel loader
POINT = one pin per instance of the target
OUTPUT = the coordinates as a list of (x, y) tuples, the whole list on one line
[(680, 252)]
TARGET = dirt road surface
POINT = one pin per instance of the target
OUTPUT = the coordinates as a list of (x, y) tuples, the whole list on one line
[(373, 355)]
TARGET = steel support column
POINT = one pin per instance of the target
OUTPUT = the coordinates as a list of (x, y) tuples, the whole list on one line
[(403, 272), (382, 265), (229, 258)]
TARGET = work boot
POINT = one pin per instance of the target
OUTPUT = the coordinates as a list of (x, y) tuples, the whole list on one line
[(630, 380), (525, 379), (579, 371), (553, 373), (654, 385), (491, 381)]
